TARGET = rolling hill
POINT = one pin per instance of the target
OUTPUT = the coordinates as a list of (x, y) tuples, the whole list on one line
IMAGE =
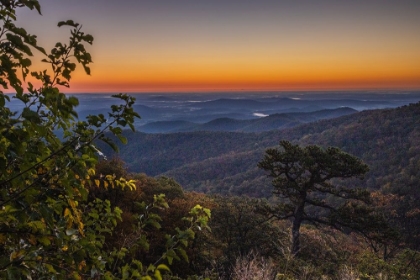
[(271, 122), (225, 162)]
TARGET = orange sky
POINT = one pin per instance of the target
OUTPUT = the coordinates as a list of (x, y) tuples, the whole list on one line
[(143, 46)]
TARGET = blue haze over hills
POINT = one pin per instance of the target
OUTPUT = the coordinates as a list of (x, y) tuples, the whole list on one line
[(240, 111)]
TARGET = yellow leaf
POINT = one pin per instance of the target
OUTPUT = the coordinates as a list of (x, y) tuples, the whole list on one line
[(67, 212), (97, 183), (81, 226), (72, 203), (82, 264), (157, 275), (163, 267), (16, 255)]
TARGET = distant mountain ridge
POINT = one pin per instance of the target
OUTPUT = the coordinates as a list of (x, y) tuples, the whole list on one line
[(271, 122), (285, 102), (225, 162), (201, 108)]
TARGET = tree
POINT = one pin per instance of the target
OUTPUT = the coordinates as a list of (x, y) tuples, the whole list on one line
[(239, 230), (307, 180), (48, 227)]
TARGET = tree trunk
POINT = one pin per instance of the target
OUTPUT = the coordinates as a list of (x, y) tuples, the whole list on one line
[(296, 228)]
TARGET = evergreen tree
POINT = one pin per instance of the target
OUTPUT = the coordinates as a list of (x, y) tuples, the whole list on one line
[(307, 181)]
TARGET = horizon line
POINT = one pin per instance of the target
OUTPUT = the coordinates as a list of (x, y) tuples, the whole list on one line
[(207, 91)]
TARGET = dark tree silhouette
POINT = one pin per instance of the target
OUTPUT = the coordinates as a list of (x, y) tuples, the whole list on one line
[(302, 178)]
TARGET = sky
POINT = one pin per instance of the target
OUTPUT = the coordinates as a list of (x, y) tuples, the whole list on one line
[(197, 45)]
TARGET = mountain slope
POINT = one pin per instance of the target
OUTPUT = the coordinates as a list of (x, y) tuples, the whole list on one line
[(225, 162)]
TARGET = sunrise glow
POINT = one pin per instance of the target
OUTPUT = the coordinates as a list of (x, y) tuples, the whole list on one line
[(143, 46)]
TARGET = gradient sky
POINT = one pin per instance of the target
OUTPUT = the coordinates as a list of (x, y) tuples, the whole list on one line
[(190, 45)]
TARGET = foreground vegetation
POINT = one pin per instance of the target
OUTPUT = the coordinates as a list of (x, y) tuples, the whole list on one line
[(69, 213), (50, 225), (244, 243)]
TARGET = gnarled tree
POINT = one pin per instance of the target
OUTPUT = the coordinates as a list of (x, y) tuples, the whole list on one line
[(307, 179)]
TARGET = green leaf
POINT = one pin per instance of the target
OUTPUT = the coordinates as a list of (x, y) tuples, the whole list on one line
[(30, 115), (87, 69), (68, 22), (73, 101), (88, 38), (44, 240), (2, 100), (122, 139), (183, 254), (50, 268)]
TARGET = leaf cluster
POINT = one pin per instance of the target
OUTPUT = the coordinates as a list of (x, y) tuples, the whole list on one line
[(49, 228)]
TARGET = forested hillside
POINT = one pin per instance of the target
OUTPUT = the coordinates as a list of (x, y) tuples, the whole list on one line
[(225, 162)]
